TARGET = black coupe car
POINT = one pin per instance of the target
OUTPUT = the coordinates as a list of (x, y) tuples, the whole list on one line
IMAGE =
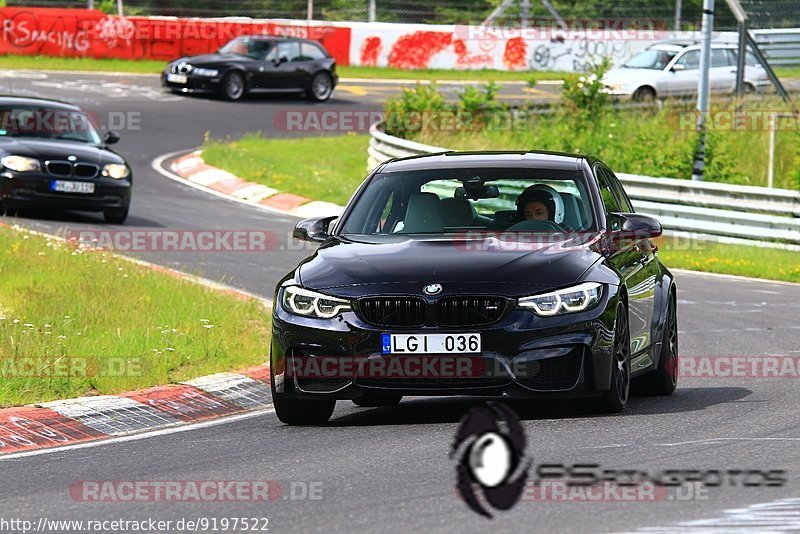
[(523, 274), (257, 64), (53, 156)]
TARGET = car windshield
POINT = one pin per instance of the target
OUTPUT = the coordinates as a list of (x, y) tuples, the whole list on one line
[(651, 59), (47, 123), (253, 48), (445, 202)]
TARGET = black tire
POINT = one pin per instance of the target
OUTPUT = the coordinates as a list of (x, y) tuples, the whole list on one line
[(616, 398), (664, 379), (373, 400), (644, 94), (234, 86), (116, 216), (301, 411), (321, 87)]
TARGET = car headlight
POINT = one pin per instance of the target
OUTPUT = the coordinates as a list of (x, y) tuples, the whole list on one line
[(312, 304), (117, 171), (205, 72), (569, 300), (21, 164)]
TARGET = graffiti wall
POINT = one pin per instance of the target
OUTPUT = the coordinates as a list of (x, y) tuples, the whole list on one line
[(473, 47), (80, 32), (91, 33)]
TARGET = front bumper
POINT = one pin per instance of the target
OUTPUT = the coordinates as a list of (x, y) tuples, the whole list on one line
[(20, 190), (522, 356), (194, 84)]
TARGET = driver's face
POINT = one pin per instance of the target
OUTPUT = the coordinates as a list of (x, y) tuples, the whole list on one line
[(536, 211)]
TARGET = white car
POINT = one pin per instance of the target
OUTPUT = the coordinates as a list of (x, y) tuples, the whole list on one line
[(672, 68)]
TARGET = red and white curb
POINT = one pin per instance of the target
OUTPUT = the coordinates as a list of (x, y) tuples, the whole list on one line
[(73, 421), (194, 170), (70, 422)]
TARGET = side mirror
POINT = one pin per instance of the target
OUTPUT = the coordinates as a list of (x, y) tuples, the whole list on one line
[(281, 59), (315, 229), (678, 67), (111, 137), (635, 226)]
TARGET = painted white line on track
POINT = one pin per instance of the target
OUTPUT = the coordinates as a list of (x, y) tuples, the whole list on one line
[(177, 428), (735, 278)]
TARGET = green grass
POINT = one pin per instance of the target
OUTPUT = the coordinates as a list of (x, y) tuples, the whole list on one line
[(321, 168), (447, 74), (741, 260), (127, 326), (788, 72), (146, 66), (153, 66), (652, 143)]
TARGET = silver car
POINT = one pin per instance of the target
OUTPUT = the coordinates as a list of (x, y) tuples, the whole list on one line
[(672, 68)]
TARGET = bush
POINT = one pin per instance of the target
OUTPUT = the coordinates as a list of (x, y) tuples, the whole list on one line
[(583, 98)]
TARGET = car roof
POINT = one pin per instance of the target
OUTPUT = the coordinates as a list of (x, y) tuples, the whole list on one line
[(487, 159), (8, 100), (276, 38), (676, 45)]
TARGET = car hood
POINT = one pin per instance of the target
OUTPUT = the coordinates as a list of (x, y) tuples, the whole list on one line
[(206, 60), (404, 265), (45, 149)]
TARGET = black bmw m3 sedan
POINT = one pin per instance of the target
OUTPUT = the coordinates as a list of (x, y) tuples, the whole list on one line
[(524, 274)]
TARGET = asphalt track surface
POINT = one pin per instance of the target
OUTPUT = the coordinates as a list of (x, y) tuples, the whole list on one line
[(386, 469)]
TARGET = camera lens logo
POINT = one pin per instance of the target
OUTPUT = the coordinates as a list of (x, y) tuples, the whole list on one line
[(492, 466)]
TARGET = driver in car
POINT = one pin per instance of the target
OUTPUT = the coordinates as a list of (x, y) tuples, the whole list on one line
[(535, 204)]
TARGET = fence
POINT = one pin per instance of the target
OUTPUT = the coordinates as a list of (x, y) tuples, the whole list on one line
[(763, 14), (729, 213)]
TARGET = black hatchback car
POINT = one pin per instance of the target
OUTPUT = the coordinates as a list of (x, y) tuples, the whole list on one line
[(517, 273), (257, 64), (53, 156)]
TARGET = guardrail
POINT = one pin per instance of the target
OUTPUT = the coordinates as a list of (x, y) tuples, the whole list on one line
[(781, 47), (731, 213)]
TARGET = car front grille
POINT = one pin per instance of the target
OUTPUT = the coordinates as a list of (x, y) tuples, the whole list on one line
[(59, 168), (448, 311), (469, 311), (67, 169), (393, 311), (85, 170)]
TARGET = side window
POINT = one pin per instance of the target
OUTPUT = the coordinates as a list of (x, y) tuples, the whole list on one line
[(258, 49), (610, 201), (720, 58), (312, 52), (289, 50), (624, 202), (690, 60)]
